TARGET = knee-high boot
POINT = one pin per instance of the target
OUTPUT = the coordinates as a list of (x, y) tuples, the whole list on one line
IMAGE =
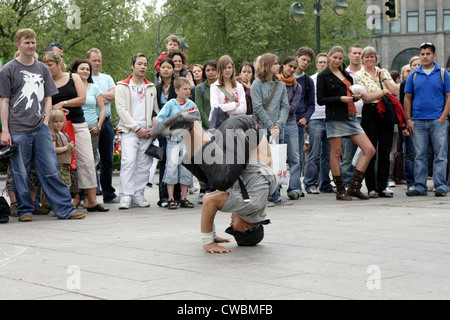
[(354, 189), (341, 193)]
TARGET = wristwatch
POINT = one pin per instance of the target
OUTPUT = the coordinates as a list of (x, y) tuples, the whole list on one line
[(65, 103)]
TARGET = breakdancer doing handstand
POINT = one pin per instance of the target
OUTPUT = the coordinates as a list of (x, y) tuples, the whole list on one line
[(236, 160)]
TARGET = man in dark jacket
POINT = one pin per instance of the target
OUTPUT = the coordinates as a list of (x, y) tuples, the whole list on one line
[(307, 106)]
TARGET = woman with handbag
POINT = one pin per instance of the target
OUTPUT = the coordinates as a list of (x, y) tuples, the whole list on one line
[(227, 96), (270, 105), (71, 96), (333, 91), (378, 83)]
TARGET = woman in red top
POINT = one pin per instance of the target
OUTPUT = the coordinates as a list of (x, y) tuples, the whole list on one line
[(333, 91)]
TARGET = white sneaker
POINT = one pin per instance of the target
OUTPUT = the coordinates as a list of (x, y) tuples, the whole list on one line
[(200, 198), (313, 190), (125, 202), (193, 190), (139, 202)]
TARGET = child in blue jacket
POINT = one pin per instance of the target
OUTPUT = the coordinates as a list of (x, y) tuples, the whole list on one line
[(175, 172)]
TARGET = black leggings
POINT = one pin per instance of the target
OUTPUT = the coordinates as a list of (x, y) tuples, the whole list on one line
[(381, 135)]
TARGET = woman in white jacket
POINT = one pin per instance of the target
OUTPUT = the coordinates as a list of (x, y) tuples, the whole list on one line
[(226, 93)]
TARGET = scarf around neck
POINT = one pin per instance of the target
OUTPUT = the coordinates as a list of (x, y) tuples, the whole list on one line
[(287, 81)]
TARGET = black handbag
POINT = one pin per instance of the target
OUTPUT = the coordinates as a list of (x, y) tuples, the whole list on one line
[(155, 152), (218, 117), (6, 152)]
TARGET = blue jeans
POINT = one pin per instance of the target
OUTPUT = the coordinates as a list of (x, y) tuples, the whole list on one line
[(424, 131), (318, 157), (106, 149), (175, 172), (38, 147), (409, 160), (290, 135)]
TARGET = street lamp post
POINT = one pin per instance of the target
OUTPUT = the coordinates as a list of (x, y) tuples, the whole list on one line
[(316, 12), (297, 14), (183, 41)]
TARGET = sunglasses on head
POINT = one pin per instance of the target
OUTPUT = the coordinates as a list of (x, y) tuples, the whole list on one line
[(426, 44), (56, 44)]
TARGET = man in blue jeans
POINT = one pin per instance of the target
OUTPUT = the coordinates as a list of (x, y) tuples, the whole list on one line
[(317, 173), (106, 139), (26, 90), (427, 104), (304, 56)]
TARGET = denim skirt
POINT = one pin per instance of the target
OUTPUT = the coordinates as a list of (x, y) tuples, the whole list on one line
[(346, 128)]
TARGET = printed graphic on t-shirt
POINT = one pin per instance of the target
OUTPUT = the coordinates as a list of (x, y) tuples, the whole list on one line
[(33, 88), (139, 90)]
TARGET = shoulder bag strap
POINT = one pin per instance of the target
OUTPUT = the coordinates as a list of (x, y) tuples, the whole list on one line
[(227, 94), (271, 96), (270, 99)]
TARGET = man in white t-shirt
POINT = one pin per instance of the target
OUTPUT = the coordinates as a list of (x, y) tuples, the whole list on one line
[(136, 106), (106, 138)]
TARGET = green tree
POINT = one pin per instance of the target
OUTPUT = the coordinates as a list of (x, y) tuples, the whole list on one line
[(246, 29), (119, 28)]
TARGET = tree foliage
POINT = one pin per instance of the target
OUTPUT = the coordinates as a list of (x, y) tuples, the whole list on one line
[(246, 29), (242, 29), (119, 28)]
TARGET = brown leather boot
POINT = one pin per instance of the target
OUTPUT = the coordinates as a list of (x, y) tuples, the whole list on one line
[(354, 189), (341, 193)]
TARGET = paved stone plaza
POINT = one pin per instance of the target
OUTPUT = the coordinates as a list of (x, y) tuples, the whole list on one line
[(318, 248)]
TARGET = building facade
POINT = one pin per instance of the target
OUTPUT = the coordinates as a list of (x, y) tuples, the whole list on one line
[(420, 21)]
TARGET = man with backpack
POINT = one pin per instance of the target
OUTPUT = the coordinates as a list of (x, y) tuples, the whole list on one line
[(427, 105)]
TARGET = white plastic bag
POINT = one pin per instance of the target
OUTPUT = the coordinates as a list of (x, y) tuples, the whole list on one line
[(356, 157), (279, 157)]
